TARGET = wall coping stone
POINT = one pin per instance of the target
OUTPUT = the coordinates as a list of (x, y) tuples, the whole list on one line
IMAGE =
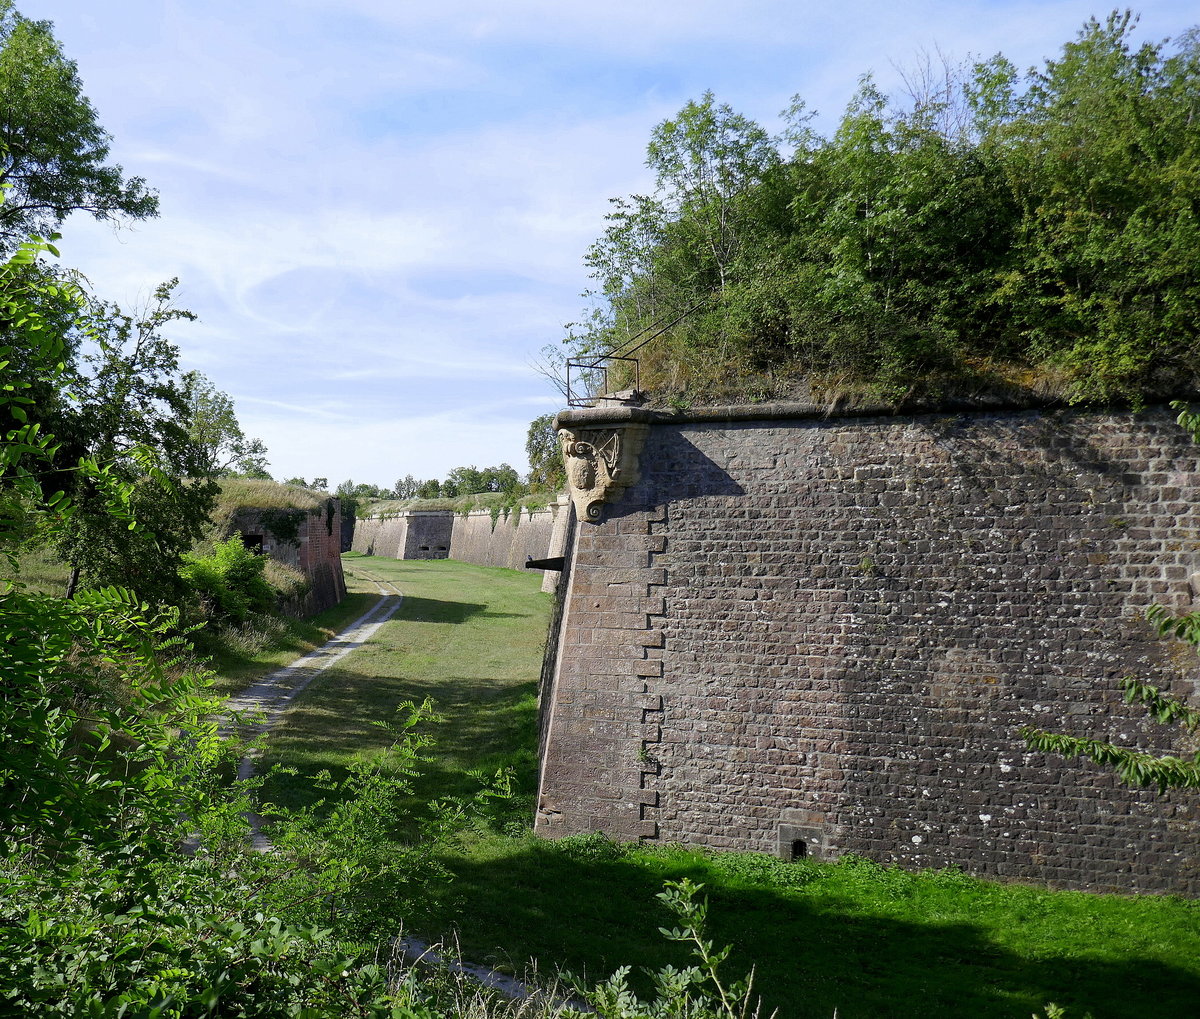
[(591, 417)]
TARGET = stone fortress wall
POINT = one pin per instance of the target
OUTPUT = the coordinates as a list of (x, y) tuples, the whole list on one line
[(476, 537), (409, 535), (315, 552), (815, 636)]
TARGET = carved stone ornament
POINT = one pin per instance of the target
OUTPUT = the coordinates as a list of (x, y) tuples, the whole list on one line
[(600, 463)]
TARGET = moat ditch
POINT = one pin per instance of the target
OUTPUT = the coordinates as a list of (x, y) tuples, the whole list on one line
[(853, 936)]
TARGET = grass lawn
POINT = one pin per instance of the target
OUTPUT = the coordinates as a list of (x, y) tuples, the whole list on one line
[(868, 941), (39, 572), (468, 637)]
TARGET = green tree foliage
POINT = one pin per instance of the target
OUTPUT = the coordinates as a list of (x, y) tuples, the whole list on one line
[(213, 427), (472, 480), (229, 580), (353, 496), (546, 470), (459, 482), (52, 150), (124, 404), (112, 760), (999, 229), (31, 354), (405, 487), (1135, 766), (1103, 161), (113, 765)]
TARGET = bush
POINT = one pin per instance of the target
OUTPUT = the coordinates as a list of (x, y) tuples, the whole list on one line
[(230, 581)]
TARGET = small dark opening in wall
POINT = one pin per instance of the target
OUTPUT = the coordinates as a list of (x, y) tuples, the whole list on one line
[(441, 548), (253, 542), (424, 548), (799, 849)]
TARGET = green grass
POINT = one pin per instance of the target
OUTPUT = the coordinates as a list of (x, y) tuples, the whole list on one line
[(39, 572), (865, 940), (869, 941), (468, 637), (259, 493)]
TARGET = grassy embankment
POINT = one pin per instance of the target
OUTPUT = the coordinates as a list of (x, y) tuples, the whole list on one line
[(866, 940)]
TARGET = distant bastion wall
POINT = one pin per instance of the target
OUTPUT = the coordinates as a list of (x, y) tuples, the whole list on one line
[(507, 539), (413, 534)]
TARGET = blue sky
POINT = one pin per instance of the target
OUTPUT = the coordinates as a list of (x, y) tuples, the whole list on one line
[(379, 208)]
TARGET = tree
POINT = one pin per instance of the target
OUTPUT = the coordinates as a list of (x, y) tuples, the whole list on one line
[(213, 427), (52, 150), (1002, 231), (112, 759), (707, 162), (1103, 157), (502, 478), (463, 481), (33, 357), (127, 410), (406, 487), (353, 496), (546, 470), (1136, 767), (663, 257)]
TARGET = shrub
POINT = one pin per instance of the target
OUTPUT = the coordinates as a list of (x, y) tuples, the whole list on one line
[(230, 581)]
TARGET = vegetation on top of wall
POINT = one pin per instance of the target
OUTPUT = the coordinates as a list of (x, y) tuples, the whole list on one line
[(1023, 233), (496, 502), (258, 493), (281, 507)]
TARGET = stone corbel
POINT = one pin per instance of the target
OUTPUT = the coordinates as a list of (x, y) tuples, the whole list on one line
[(601, 463)]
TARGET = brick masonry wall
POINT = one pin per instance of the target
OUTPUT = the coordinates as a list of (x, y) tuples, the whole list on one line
[(823, 636), (316, 553)]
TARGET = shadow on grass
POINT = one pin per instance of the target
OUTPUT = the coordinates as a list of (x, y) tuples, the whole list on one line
[(477, 734), (810, 956), (432, 610)]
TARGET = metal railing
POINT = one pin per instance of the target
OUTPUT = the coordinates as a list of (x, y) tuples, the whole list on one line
[(591, 373)]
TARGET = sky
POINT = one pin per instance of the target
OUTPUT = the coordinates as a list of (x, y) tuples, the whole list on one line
[(379, 209)]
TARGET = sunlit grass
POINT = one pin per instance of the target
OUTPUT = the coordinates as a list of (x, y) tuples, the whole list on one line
[(38, 572), (241, 655), (260, 493), (468, 637)]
